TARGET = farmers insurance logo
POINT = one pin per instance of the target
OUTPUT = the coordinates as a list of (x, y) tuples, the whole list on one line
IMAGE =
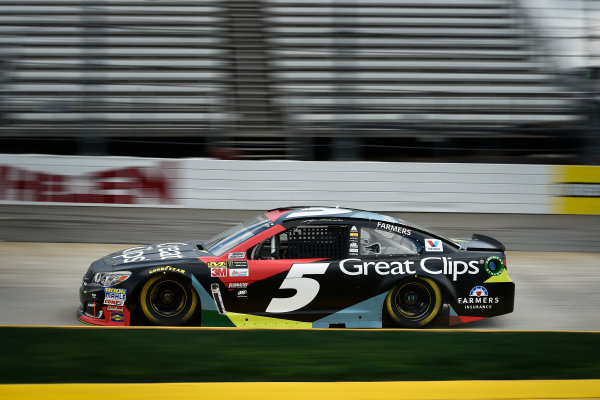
[(433, 245), (478, 299), (478, 291)]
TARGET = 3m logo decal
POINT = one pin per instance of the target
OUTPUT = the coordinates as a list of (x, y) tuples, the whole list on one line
[(219, 272), (434, 245)]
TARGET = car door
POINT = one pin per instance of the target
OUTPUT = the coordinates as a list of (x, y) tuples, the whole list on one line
[(294, 268)]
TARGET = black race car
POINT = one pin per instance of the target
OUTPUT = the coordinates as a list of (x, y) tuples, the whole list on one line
[(302, 267)]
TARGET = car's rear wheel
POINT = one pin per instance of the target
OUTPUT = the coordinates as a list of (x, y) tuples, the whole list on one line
[(414, 303), (168, 300)]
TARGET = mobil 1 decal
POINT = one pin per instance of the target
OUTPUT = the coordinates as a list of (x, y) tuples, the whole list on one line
[(353, 240)]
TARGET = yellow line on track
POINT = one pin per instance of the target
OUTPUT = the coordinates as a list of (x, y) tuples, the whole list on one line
[(481, 390)]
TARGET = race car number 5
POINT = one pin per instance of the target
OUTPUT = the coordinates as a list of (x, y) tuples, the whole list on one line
[(306, 288)]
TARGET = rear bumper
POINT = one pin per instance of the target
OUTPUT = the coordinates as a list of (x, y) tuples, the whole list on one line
[(483, 301)]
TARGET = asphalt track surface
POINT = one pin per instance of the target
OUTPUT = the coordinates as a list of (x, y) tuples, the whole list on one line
[(45, 250), (89, 224)]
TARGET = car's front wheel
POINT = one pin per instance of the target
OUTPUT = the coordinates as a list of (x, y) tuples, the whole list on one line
[(414, 303), (168, 300)]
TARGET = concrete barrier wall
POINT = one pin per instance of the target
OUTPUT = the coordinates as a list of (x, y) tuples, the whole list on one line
[(376, 186), (259, 185)]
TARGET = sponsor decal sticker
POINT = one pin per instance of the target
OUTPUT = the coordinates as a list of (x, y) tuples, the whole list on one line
[(434, 245), (217, 264), (494, 266), (115, 296), (169, 250), (165, 251), (242, 293), (478, 299), (430, 265), (117, 317), (238, 285), (353, 241), (478, 291), (237, 264), (238, 255), (216, 294), (168, 268), (113, 308), (238, 272), (134, 254), (394, 228), (219, 272)]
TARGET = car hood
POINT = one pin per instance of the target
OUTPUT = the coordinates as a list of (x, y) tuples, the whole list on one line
[(167, 252)]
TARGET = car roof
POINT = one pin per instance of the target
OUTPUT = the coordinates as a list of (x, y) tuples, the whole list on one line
[(303, 212), (287, 214)]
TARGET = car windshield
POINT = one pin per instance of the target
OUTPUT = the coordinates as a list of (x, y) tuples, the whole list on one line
[(233, 236)]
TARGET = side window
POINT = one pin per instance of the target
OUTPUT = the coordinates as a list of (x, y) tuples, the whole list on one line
[(379, 242), (323, 241)]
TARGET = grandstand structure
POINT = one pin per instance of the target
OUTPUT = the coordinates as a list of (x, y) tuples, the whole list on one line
[(324, 79)]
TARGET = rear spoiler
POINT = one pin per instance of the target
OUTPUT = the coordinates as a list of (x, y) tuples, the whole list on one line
[(489, 240)]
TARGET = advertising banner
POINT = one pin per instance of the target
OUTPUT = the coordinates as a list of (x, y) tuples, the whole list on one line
[(578, 189)]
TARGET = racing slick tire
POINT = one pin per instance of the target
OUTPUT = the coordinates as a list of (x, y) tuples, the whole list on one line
[(414, 303), (168, 300)]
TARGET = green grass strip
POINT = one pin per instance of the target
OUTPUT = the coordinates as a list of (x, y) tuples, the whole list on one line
[(53, 355)]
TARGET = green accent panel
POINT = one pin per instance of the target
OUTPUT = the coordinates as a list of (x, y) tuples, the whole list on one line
[(95, 354), (214, 319)]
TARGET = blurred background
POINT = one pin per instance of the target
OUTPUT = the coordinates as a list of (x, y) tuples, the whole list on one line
[(386, 80), (488, 109)]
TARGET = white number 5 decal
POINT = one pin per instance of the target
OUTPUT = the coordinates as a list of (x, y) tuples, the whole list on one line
[(306, 288)]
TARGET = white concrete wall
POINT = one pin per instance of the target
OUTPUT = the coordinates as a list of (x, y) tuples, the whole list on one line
[(260, 185)]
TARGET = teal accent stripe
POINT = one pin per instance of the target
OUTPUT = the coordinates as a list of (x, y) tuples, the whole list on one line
[(366, 314), (452, 312), (210, 313), (208, 303)]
